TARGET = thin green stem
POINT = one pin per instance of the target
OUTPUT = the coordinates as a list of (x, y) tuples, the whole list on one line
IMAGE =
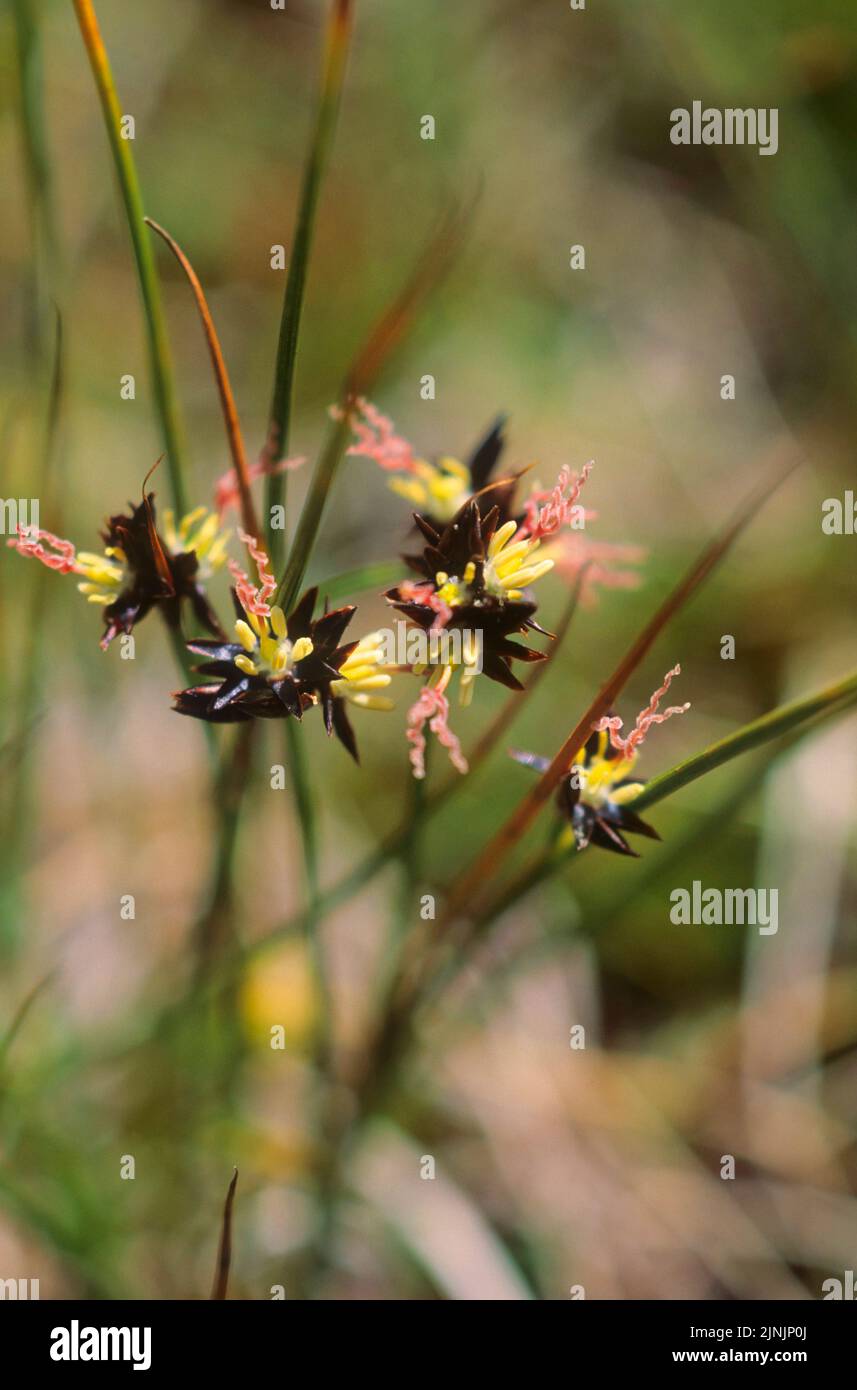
[(214, 927), (312, 511), (276, 446), (834, 699), (37, 168), (305, 811), (159, 350), (322, 1109), (42, 388), (410, 863)]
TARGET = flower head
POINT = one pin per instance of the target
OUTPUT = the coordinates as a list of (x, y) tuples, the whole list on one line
[(594, 797), (472, 579), (139, 568), (436, 490), (279, 666)]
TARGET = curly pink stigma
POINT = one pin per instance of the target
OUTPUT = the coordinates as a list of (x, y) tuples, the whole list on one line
[(433, 706), (254, 600), (376, 439), (645, 719), (226, 491), (29, 542), (421, 591), (559, 509)]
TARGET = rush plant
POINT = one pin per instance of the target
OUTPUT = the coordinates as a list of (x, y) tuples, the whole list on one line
[(485, 544)]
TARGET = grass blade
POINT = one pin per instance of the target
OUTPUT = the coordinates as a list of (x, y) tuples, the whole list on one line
[(19, 1017), (224, 1251)]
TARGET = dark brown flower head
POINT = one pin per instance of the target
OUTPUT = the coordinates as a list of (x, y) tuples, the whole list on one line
[(160, 571), (590, 798), (283, 666), (472, 577), (596, 794), (140, 567)]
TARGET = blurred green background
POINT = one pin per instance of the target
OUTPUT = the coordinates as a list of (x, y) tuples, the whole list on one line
[(555, 1168)]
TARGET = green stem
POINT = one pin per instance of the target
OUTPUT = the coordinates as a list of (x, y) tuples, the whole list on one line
[(311, 513), (304, 800), (42, 387), (214, 927), (322, 1109), (46, 252), (410, 860), (276, 446), (834, 699), (159, 351)]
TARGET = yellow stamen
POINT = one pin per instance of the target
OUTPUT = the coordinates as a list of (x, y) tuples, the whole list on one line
[(302, 648), (245, 635), (410, 489), (624, 794), (501, 536), (366, 701)]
